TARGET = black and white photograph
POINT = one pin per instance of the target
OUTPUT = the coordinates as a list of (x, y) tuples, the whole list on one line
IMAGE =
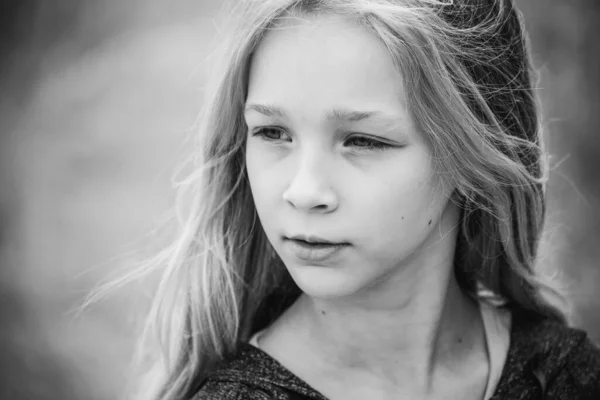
[(300, 200)]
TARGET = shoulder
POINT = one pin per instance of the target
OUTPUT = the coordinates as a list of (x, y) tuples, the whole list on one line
[(236, 378), (583, 366), (252, 374), (229, 390), (550, 357), (557, 344)]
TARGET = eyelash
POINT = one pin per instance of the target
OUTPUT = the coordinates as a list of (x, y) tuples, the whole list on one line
[(372, 144)]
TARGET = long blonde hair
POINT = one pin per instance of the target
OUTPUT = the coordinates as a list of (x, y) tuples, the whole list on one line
[(467, 71)]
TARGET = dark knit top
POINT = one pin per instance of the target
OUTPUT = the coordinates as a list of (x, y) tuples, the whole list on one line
[(546, 360)]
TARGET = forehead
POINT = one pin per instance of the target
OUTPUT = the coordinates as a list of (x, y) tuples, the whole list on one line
[(324, 62)]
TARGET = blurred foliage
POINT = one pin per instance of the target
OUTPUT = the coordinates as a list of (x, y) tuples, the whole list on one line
[(98, 97)]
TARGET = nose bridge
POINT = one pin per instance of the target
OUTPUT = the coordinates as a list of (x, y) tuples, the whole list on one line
[(310, 185), (311, 162)]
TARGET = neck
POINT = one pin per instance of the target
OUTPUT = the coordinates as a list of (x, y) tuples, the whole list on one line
[(414, 338)]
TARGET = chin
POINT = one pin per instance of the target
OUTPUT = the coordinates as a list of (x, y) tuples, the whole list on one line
[(323, 282)]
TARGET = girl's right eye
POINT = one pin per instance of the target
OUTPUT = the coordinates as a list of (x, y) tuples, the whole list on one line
[(270, 133)]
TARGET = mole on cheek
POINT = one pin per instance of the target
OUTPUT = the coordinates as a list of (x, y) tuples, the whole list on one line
[(429, 222)]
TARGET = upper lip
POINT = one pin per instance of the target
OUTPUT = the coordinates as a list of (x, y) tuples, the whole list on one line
[(312, 239)]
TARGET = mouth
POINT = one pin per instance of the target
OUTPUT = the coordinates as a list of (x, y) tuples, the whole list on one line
[(314, 249), (314, 240)]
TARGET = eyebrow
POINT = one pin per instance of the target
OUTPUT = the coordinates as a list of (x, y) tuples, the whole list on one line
[(336, 114)]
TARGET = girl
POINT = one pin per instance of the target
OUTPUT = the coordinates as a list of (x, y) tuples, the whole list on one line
[(366, 214)]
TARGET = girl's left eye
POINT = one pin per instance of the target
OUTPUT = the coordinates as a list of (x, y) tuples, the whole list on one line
[(364, 142)]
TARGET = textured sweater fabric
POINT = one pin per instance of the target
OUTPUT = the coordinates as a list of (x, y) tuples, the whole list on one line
[(546, 360)]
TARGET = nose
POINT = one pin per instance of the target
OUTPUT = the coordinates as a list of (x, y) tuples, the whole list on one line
[(310, 189)]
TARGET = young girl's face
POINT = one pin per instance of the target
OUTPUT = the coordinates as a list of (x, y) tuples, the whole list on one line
[(333, 155)]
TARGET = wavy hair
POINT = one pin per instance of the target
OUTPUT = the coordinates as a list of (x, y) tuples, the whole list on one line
[(467, 71)]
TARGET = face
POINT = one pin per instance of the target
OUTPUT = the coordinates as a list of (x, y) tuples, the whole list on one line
[(334, 158)]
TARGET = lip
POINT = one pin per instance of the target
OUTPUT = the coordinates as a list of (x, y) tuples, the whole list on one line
[(313, 249), (313, 239)]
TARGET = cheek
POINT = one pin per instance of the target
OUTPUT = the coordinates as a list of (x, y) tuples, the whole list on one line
[(406, 189), (262, 176), (404, 208)]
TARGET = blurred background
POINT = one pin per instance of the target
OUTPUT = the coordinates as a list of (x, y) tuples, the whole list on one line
[(97, 100)]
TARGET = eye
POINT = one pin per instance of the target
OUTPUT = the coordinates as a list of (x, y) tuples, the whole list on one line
[(366, 143), (270, 133)]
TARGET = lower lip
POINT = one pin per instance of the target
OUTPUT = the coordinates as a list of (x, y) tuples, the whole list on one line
[(314, 252)]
